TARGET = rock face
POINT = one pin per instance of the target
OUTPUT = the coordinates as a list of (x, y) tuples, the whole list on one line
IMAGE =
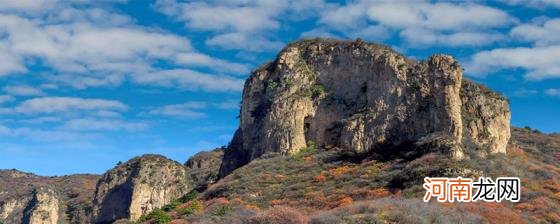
[(138, 187), (31, 199), (43, 207), (362, 96), (39, 207), (204, 167)]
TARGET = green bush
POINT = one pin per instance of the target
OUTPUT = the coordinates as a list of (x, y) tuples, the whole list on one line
[(288, 83), (305, 151), (272, 85), (157, 216), (223, 210), (318, 90), (173, 204), (193, 207), (415, 85), (189, 197)]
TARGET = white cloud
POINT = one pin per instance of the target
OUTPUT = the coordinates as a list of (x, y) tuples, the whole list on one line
[(240, 25), (228, 104), (6, 99), (192, 109), (197, 59), (545, 33), (351, 15), (184, 110), (191, 80), (41, 120), (525, 92), (553, 92), (540, 4), (438, 16), (539, 62), (242, 41), (95, 124), (420, 24), (23, 90), (91, 46), (49, 105), (421, 37), (242, 16)]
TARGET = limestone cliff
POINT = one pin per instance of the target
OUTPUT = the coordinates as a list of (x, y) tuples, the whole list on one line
[(31, 199), (204, 167), (362, 96), (138, 187)]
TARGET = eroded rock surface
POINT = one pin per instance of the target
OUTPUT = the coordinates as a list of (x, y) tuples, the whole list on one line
[(362, 96), (204, 167), (31, 199), (137, 187)]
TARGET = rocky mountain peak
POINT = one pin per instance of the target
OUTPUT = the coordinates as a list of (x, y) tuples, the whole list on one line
[(364, 97), (137, 187)]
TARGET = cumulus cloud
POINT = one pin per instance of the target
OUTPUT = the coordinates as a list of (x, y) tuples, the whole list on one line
[(96, 124), (429, 16), (184, 110), (242, 41), (6, 99), (239, 25), (553, 92), (192, 109), (90, 46), (190, 79), (539, 62), (49, 105), (541, 34), (421, 37), (23, 90), (420, 24)]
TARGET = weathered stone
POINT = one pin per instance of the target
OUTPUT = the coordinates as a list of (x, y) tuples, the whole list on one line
[(43, 207), (137, 187), (358, 96), (204, 167), (28, 198)]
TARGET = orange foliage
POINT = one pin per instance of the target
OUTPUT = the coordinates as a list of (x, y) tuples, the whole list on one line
[(279, 215), (495, 212), (371, 193), (216, 202), (320, 178), (316, 199), (341, 170), (276, 202), (308, 158), (346, 200)]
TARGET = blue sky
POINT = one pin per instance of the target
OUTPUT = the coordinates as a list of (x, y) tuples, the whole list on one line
[(86, 84)]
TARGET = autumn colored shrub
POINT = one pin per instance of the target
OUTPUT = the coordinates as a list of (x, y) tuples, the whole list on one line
[(279, 215), (336, 172), (345, 201), (320, 178)]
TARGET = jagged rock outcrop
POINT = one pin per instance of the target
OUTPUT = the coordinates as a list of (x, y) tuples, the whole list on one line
[(31, 199), (363, 96), (41, 206), (486, 118), (204, 167), (137, 187)]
